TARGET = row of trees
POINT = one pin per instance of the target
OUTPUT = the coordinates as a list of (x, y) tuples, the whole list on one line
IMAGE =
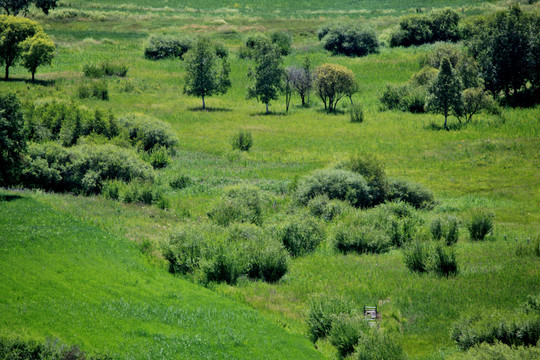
[(24, 40), (207, 75)]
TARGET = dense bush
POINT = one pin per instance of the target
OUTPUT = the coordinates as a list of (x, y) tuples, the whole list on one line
[(377, 345), (336, 184), (346, 331), (349, 39), (480, 225), (94, 89), (363, 239), (147, 133), (283, 40), (445, 228), (326, 209), (105, 68), (322, 313), (159, 157), (242, 141), (498, 351), (18, 349), (417, 256), (405, 98), (238, 204), (512, 329), (161, 47), (137, 192), (444, 261), (12, 140), (421, 29), (180, 182), (411, 193), (301, 234), (82, 168)]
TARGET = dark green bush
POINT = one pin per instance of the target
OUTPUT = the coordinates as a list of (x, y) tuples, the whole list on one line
[(377, 345), (349, 39), (336, 184), (111, 189), (185, 248), (405, 98), (161, 47), (323, 310), (18, 349), (417, 256), (180, 182), (238, 204), (94, 89), (363, 239), (444, 261), (446, 229), (283, 40), (147, 133), (326, 209), (480, 225), (158, 157), (105, 68), (373, 172), (266, 259), (12, 139), (242, 141), (346, 331), (411, 193), (301, 234)]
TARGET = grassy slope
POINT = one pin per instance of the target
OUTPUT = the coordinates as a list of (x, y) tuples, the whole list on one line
[(66, 279)]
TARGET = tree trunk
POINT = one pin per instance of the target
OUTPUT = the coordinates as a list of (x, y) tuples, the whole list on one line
[(203, 103), (33, 73), (445, 120), (303, 100), (267, 108), (7, 72)]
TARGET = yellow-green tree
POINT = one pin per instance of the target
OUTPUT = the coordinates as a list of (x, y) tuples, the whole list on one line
[(13, 31), (36, 51), (333, 82)]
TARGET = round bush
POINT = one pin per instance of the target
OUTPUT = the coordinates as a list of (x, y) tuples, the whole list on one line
[(238, 204), (480, 225), (336, 184), (412, 193), (147, 132), (346, 331), (301, 235), (349, 40)]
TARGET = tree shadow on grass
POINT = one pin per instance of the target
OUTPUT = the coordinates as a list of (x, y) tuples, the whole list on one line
[(9, 197), (209, 109), (271, 113), (30, 82), (335, 112)]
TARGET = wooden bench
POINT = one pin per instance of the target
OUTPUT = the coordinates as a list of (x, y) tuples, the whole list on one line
[(370, 314)]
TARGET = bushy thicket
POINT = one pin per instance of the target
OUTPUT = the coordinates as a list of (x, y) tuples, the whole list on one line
[(480, 225), (446, 229), (243, 141), (349, 39), (19, 349), (238, 204), (147, 133), (281, 39), (105, 68), (300, 234), (81, 169), (96, 89), (377, 345), (322, 312), (137, 191), (424, 256), (404, 97), (346, 330), (360, 239), (514, 329), (324, 208), (161, 47), (214, 254), (412, 193), (422, 29), (498, 351)]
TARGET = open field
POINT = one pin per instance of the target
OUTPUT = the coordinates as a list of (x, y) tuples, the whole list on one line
[(73, 264)]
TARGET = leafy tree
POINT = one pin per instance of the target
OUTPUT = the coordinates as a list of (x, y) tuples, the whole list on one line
[(36, 51), (205, 76), (474, 100), (12, 139), (13, 7), (13, 31), (287, 87), (267, 75), (444, 94), (283, 40), (332, 82), (301, 79)]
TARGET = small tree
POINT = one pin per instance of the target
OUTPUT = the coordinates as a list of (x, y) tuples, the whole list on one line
[(12, 140), (301, 80), (204, 75), (13, 31), (444, 94), (332, 82), (268, 74), (287, 88), (13, 7), (36, 51)]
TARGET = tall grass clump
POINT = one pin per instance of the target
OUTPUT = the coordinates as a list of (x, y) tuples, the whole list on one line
[(480, 225), (322, 312), (377, 345), (364, 239), (417, 256), (444, 261), (242, 141), (356, 113), (238, 204), (15, 349), (324, 208), (301, 234), (346, 330), (498, 351), (105, 68), (446, 229), (94, 89)]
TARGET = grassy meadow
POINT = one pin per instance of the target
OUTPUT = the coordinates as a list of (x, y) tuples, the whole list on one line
[(88, 270)]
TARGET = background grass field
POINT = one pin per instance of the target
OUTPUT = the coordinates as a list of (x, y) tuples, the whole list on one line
[(491, 164)]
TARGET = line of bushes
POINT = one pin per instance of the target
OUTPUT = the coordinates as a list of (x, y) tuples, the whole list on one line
[(105, 68), (19, 349)]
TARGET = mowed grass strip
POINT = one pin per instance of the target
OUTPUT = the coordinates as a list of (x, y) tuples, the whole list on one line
[(65, 279)]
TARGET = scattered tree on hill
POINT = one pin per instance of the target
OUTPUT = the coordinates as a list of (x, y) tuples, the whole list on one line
[(205, 76), (36, 51), (13, 7), (12, 139), (267, 75), (13, 31), (301, 80), (444, 94), (332, 82)]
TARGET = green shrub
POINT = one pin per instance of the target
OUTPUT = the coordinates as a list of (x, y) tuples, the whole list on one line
[(391, 97), (18, 349), (326, 209), (373, 172), (148, 133), (498, 351), (322, 313), (356, 113), (242, 141), (94, 89), (283, 40), (111, 189), (364, 239), (223, 263), (336, 184), (238, 204), (161, 47), (180, 182), (185, 249), (480, 225), (105, 69), (377, 345), (445, 228), (346, 331), (349, 39), (301, 234), (411, 193), (417, 256), (266, 258), (444, 261), (158, 157)]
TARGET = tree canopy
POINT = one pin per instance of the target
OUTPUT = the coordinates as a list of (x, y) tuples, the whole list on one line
[(14, 7), (267, 74), (332, 82), (13, 31), (36, 51), (444, 94), (12, 139)]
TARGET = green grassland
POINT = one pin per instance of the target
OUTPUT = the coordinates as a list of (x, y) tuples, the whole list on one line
[(101, 293)]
